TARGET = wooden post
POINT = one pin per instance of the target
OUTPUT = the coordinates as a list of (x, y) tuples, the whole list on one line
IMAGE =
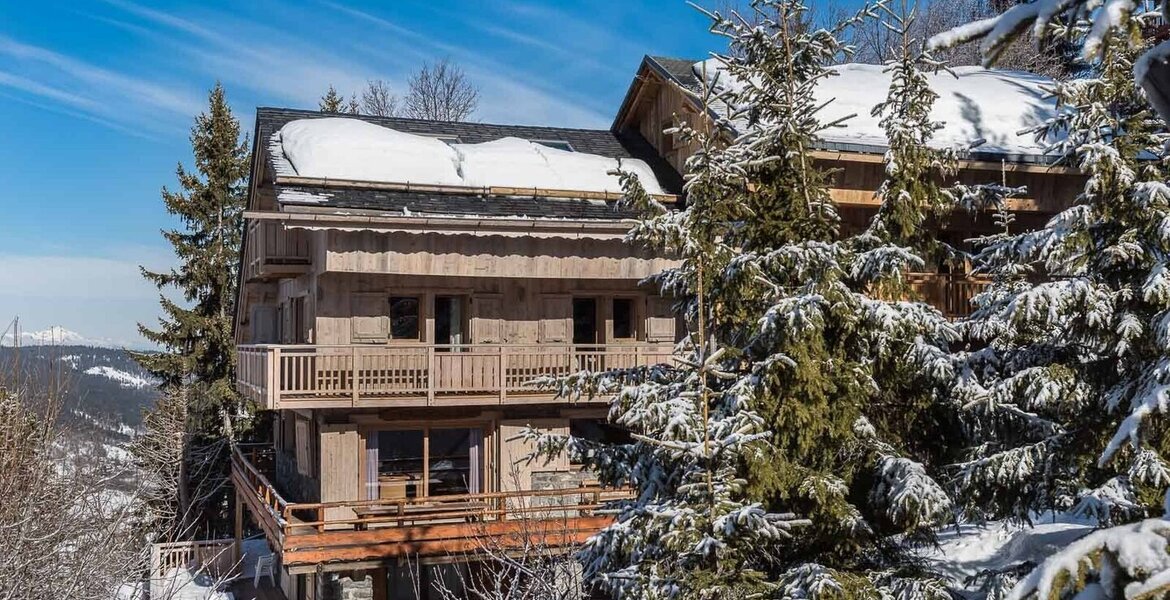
[(354, 373), (274, 378), (431, 375), (502, 375), (237, 544)]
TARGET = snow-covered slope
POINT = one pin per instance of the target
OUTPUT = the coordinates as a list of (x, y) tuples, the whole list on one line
[(985, 108), (123, 378), (342, 148)]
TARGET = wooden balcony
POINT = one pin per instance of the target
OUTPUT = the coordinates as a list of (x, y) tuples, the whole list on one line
[(369, 532), (272, 251), (306, 376), (950, 293)]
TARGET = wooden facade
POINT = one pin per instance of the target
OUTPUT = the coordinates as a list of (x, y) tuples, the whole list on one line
[(402, 353)]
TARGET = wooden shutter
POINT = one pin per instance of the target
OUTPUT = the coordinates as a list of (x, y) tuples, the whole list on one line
[(369, 324), (661, 325), (556, 313), (485, 322), (341, 476), (303, 447)]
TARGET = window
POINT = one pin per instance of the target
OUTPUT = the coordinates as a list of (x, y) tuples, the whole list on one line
[(555, 144), (404, 318), (400, 464), (450, 460), (623, 318), (412, 463)]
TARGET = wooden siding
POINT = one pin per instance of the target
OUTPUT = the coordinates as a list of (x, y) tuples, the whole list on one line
[(515, 470), (341, 450), (462, 255)]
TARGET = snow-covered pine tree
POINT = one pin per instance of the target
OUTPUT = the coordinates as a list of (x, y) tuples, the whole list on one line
[(1064, 381), (786, 347), (198, 357)]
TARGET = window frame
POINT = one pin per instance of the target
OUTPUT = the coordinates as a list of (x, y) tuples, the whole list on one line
[(420, 318), (635, 329)]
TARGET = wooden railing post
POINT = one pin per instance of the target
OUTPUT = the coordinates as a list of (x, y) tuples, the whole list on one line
[(502, 375), (274, 378), (355, 376), (432, 376)]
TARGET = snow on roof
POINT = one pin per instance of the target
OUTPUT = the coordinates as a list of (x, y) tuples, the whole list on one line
[(343, 148), (985, 108)]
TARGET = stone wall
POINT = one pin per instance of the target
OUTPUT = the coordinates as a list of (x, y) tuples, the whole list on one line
[(358, 585)]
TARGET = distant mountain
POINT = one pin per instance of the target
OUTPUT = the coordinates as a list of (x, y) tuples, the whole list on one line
[(59, 336), (104, 387)]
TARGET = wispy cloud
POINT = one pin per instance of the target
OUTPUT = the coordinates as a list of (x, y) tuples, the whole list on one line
[(109, 95)]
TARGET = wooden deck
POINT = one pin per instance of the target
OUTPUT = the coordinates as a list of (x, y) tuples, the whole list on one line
[(318, 376), (364, 533)]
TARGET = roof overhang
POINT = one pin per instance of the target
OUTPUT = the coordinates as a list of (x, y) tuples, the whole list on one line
[(299, 217)]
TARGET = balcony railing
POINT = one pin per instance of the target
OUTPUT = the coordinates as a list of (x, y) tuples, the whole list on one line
[(273, 251), (950, 293), (307, 376), (308, 534)]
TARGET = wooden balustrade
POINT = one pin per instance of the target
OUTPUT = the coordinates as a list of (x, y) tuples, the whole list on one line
[(273, 250), (310, 533), (216, 558), (307, 376), (950, 293)]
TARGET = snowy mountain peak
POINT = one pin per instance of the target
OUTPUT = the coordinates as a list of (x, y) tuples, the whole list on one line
[(57, 336)]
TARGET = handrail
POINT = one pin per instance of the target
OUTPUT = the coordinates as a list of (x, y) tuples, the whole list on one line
[(346, 375), (261, 479), (423, 345), (445, 508)]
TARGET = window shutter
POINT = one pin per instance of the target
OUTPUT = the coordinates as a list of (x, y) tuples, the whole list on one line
[(369, 324), (555, 316), (485, 324), (660, 321)]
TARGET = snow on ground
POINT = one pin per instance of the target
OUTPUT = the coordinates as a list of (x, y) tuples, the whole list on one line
[(991, 105), (972, 549), (345, 148), (124, 379)]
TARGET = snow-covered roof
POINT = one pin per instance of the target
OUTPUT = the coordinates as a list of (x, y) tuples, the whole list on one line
[(358, 150), (983, 110)]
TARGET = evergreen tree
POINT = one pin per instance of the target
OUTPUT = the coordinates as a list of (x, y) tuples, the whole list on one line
[(197, 361), (787, 350), (332, 102), (1063, 383)]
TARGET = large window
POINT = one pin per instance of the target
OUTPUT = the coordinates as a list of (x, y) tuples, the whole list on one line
[(411, 463), (404, 318)]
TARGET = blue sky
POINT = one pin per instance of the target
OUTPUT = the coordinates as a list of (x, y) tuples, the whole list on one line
[(97, 98)]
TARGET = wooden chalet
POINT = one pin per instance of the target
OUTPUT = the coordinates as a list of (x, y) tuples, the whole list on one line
[(395, 326)]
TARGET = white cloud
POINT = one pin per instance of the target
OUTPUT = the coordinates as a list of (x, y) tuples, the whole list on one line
[(90, 89)]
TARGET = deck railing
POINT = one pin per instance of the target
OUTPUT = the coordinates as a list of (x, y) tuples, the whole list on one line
[(273, 250), (950, 293), (287, 376), (311, 532)]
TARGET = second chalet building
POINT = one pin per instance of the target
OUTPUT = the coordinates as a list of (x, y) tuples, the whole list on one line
[(403, 283)]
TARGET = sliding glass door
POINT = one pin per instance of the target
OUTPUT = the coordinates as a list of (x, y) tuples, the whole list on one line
[(431, 461)]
